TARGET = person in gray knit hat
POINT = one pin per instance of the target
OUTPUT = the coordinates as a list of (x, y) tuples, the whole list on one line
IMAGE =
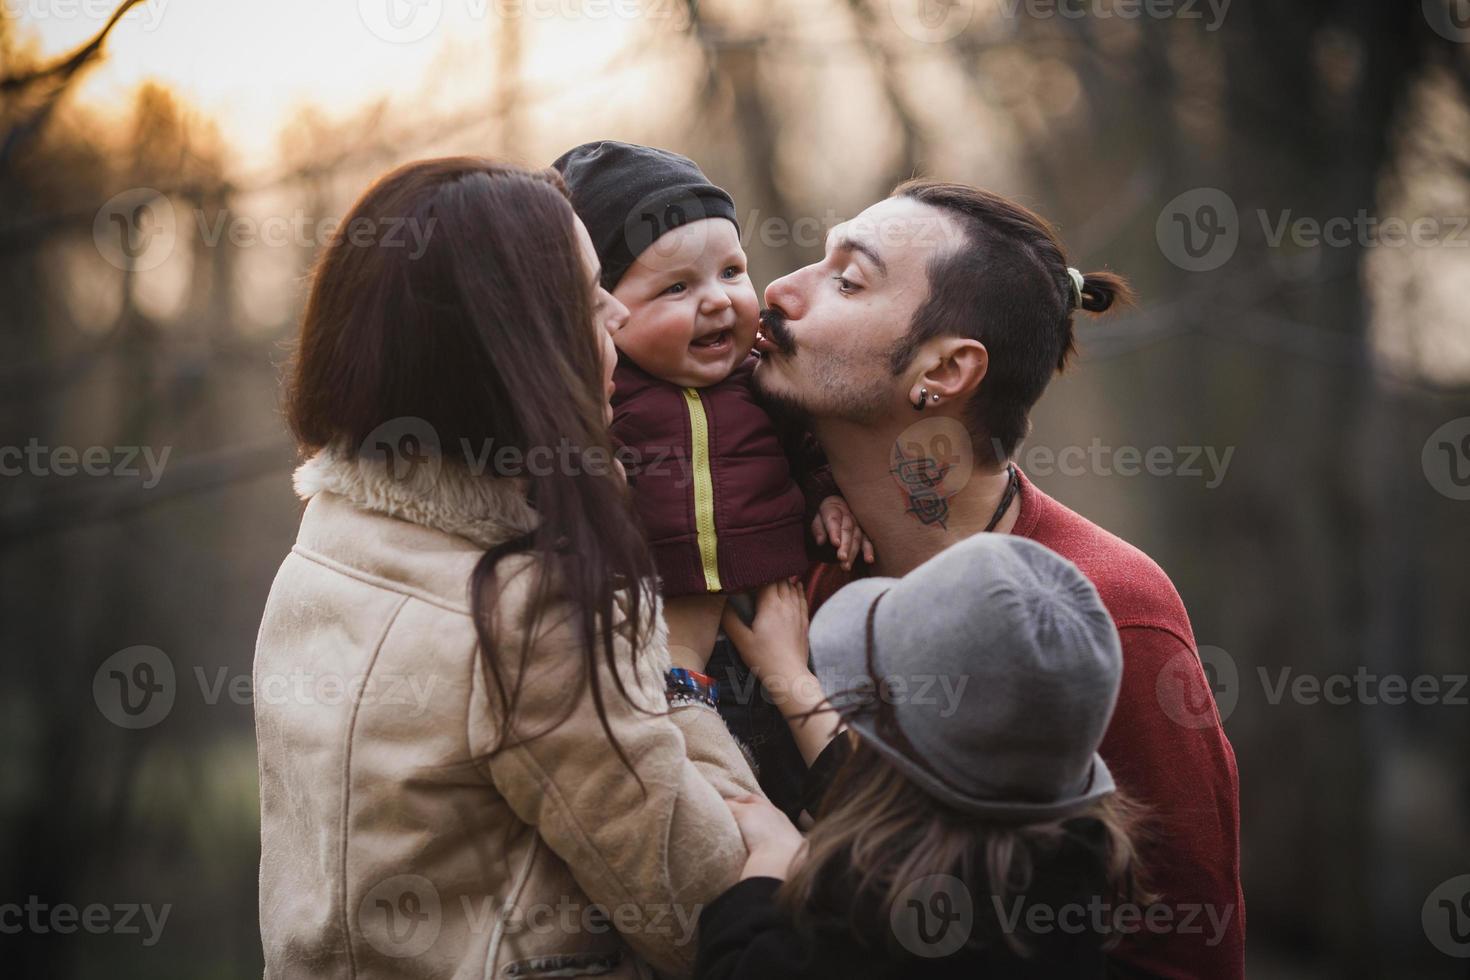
[(966, 793), (1021, 639)]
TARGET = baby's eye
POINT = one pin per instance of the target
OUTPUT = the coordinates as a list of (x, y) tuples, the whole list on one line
[(675, 289), (732, 271)]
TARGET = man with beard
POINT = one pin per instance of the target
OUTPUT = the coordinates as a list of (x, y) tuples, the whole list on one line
[(914, 351)]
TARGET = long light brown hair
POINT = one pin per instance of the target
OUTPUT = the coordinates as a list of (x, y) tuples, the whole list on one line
[(876, 833)]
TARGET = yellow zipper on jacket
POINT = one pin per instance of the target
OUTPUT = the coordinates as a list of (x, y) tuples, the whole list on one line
[(704, 490)]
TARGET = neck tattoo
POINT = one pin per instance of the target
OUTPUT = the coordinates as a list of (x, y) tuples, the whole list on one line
[(921, 478)]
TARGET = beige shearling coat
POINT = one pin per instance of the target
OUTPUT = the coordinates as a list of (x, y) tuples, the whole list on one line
[(390, 845)]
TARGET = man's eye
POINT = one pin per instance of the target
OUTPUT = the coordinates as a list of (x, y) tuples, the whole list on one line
[(845, 285)]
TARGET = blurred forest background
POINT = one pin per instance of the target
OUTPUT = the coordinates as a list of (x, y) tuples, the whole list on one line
[(1335, 540)]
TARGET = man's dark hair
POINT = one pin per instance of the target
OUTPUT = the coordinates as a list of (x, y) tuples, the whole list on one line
[(1007, 286)]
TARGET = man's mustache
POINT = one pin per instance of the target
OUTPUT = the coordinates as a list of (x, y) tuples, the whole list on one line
[(773, 325)]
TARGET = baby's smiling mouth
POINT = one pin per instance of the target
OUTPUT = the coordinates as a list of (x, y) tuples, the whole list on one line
[(715, 340)]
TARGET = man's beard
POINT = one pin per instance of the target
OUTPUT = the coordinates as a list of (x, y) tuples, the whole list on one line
[(785, 407), (836, 384)]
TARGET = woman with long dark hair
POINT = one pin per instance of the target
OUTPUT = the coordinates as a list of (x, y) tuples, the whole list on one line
[(468, 763)]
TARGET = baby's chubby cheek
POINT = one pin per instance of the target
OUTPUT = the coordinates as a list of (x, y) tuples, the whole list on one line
[(747, 318)]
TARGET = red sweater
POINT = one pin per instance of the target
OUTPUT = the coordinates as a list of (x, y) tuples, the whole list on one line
[(1165, 747)]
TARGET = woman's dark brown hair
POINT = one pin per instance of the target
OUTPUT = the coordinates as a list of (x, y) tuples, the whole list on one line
[(1006, 286), (455, 293), (877, 833)]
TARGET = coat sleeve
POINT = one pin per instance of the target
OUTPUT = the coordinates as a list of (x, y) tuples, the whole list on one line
[(651, 854)]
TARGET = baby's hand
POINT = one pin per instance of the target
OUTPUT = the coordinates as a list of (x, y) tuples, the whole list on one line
[(769, 837), (834, 522)]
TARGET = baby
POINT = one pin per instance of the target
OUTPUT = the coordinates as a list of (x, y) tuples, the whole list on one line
[(724, 497)]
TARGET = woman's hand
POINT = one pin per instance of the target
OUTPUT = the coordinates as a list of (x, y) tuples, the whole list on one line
[(769, 837), (774, 645), (835, 522)]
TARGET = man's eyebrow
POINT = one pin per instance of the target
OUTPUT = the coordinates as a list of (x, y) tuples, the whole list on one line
[(849, 244)]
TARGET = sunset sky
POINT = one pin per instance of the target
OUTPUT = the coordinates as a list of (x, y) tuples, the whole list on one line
[(251, 65)]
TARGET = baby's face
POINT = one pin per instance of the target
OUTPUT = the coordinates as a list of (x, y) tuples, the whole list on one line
[(692, 311)]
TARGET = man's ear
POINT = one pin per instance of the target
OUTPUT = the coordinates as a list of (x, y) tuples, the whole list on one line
[(956, 366)]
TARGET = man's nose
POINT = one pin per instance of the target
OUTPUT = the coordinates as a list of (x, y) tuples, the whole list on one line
[(786, 293)]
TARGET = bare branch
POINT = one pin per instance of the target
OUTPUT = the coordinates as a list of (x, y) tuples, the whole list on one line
[(70, 65)]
